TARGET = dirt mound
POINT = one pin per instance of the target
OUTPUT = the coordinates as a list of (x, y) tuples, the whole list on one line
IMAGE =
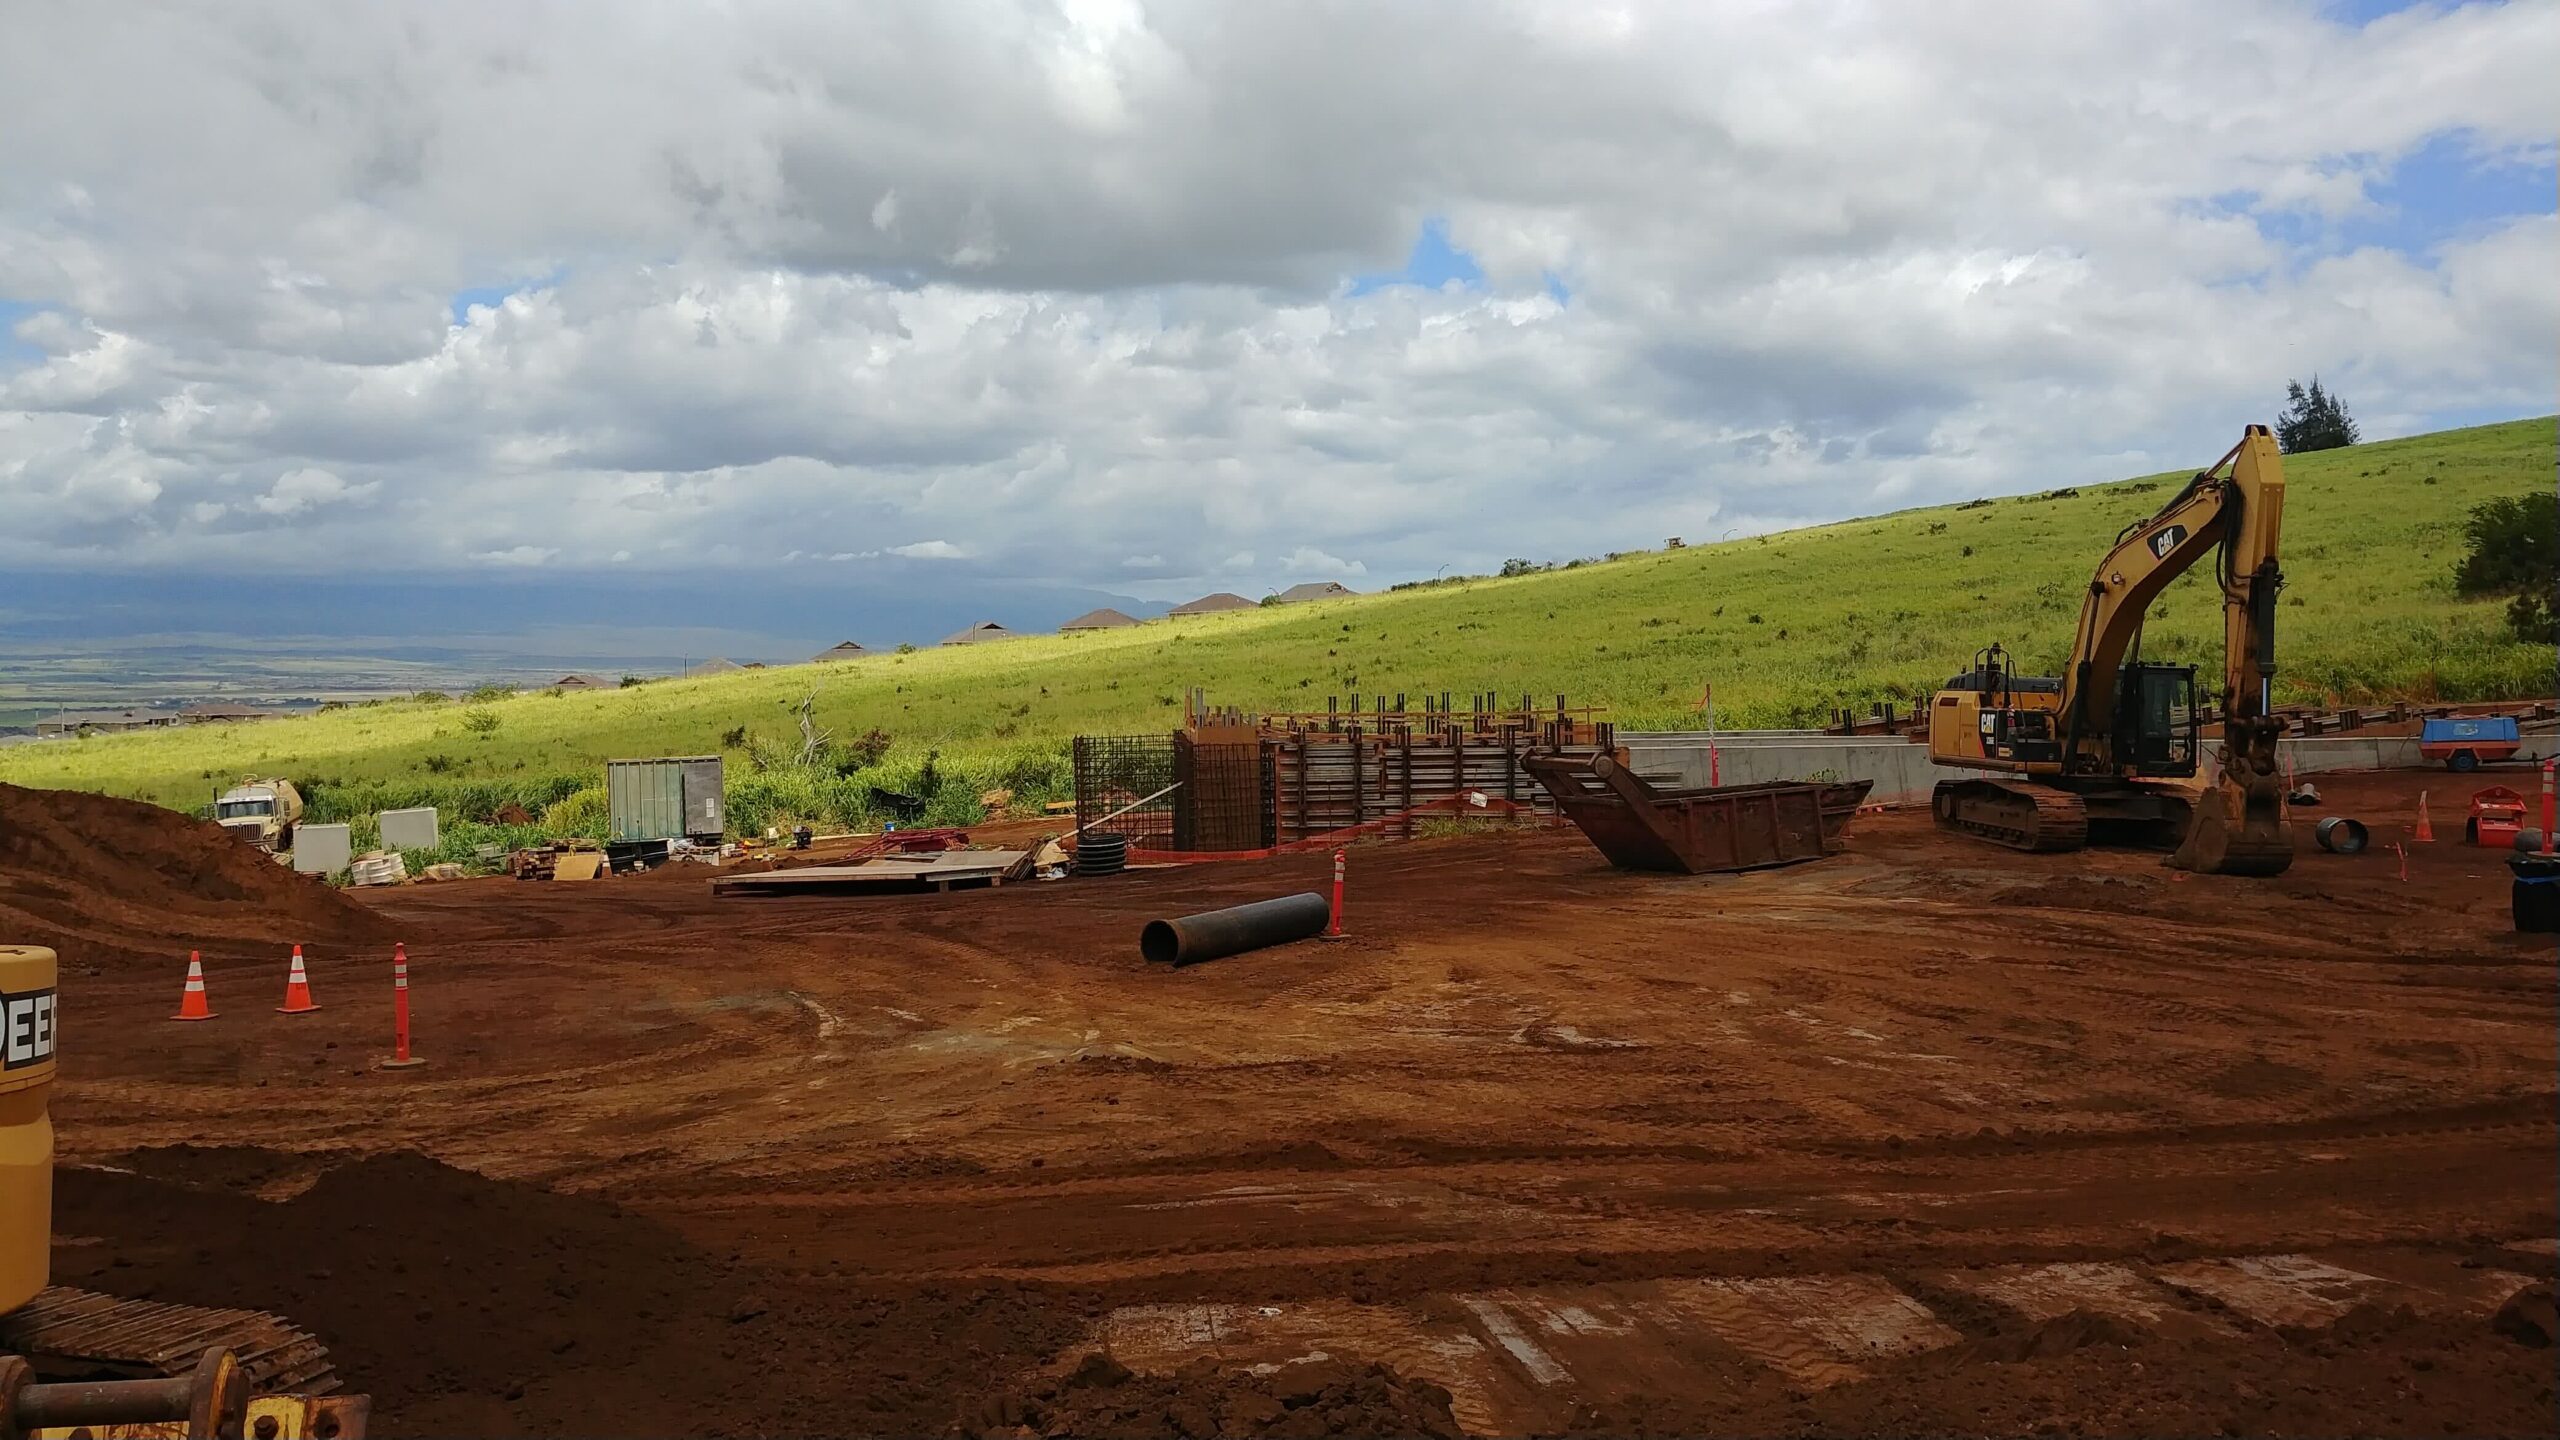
[(2060, 1335), (1302, 1401), (467, 1305), (420, 1277), (99, 878), (2529, 1317)]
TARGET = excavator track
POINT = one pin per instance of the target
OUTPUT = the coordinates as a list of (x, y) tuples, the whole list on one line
[(83, 1334), (2015, 813)]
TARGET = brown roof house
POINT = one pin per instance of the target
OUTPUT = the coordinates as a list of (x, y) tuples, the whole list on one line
[(716, 665), (582, 682), (979, 634), (1315, 590), (1105, 618), (841, 650), (223, 714), (1212, 604), (73, 722)]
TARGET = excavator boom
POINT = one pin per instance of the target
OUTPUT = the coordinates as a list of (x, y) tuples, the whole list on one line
[(2239, 826)]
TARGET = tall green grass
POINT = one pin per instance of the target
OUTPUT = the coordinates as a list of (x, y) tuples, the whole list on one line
[(1786, 627)]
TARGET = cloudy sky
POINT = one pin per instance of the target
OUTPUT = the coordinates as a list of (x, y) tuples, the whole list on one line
[(1161, 298)]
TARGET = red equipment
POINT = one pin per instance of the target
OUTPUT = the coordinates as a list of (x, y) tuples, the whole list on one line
[(2497, 813)]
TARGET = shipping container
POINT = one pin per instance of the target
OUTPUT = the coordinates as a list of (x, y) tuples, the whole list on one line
[(675, 798)]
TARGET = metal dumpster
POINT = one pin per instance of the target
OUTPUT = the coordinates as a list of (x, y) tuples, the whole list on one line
[(1700, 831)]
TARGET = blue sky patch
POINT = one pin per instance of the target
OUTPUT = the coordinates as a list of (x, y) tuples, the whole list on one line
[(14, 351), (2446, 190), (490, 295), (1433, 263), (2360, 13), (495, 295)]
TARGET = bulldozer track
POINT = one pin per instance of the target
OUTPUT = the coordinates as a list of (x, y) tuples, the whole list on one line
[(78, 1333), (1987, 810)]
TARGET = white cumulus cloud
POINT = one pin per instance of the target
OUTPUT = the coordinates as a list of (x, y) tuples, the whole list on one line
[(296, 491), (1062, 285)]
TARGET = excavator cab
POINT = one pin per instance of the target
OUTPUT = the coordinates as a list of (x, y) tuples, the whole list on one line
[(2157, 727)]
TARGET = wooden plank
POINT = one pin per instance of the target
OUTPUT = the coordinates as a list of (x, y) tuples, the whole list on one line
[(939, 870)]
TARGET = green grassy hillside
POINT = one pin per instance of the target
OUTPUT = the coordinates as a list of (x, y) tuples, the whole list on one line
[(1785, 626)]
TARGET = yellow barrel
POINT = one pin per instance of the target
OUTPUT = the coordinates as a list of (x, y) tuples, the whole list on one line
[(26, 1130)]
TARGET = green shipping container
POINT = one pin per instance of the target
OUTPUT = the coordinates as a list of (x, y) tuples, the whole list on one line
[(678, 797)]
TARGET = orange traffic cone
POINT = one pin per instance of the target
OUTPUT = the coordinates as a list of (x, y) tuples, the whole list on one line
[(2426, 833), (297, 989), (193, 1005)]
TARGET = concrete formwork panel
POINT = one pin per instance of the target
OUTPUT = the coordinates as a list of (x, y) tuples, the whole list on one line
[(322, 849), (413, 829)]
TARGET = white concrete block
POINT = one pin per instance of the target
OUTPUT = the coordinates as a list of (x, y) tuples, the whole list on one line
[(322, 849)]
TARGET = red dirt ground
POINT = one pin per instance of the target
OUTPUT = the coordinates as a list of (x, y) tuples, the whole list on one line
[(1928, 1136)]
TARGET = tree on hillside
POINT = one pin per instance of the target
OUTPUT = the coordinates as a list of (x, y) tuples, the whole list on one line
[(2316, 420), (2515, 551)]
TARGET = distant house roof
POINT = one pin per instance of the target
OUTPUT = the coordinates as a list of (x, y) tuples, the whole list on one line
[(1105, 618), (1211, 604), (200, 714), (582, 682), (716, 665), (1314, 590), (71, 720), (979, 634), (841, 650)]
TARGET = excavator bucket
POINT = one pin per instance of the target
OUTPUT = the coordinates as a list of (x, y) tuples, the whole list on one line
[(2239, 825)]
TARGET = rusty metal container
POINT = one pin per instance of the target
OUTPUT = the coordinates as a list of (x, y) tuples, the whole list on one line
[(1700, 831)]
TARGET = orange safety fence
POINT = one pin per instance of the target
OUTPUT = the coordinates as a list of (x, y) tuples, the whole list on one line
[(1471, 802)]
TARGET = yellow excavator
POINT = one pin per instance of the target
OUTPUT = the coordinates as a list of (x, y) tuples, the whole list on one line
[(2109, 750), (74, 1363)]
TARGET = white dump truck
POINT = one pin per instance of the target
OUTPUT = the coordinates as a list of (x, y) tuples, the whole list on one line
[(262, 812)]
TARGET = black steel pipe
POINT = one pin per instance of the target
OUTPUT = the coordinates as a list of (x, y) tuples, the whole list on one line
[(2339, 835), (1234, 930), (105, 1402), (212, 1400)]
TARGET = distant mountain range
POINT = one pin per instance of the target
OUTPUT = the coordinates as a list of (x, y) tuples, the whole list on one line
[(87, 640)]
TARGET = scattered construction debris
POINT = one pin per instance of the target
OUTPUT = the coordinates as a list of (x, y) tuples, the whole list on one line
[(1102, 852), (581, 859), (378, 867)]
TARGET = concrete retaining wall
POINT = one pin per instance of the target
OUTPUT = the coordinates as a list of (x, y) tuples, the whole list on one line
[(1902, 772)]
